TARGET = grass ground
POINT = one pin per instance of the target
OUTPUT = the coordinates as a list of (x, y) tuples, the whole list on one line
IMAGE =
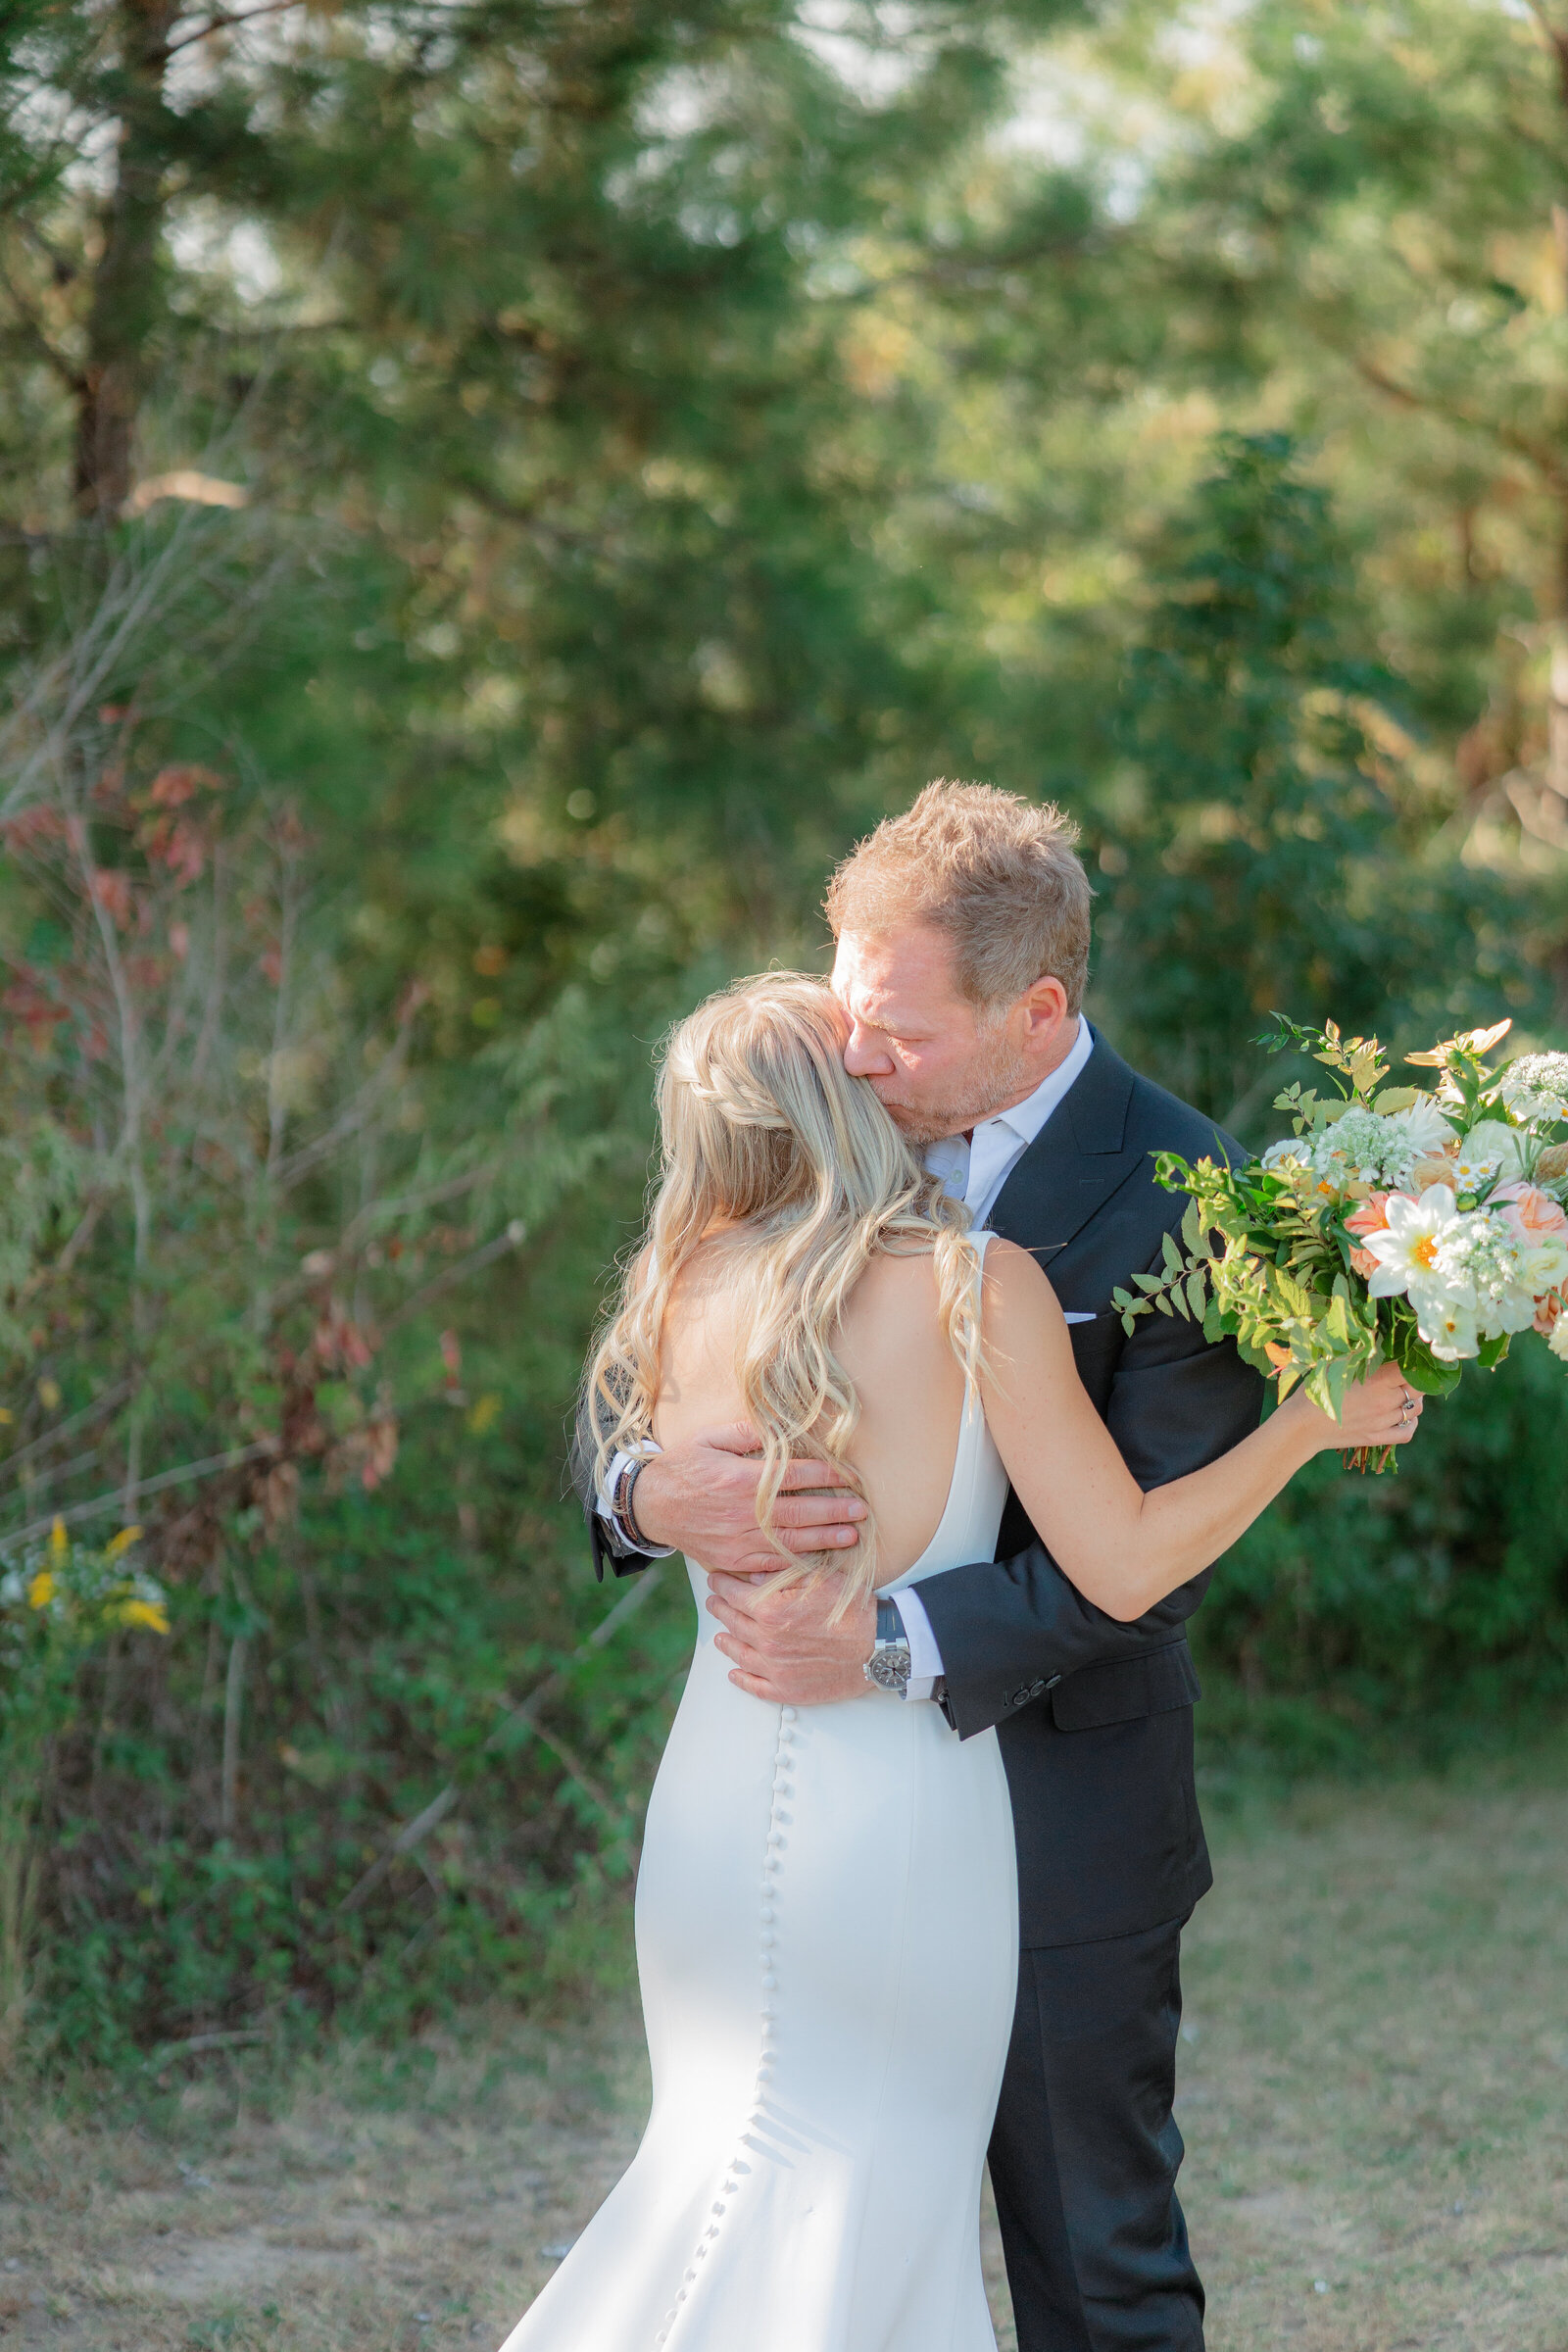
[(1374, 2092)]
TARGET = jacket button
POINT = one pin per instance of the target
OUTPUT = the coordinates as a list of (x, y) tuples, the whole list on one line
[(1036, 1689), (1055, 1680), (1017, 1698)]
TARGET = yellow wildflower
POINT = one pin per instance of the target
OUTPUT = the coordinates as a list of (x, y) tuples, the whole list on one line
[(120, 1542), (150, 1613), (41, 1590), (59, 1540)]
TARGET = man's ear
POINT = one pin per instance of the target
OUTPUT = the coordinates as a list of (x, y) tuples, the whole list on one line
[(1044, 1005)]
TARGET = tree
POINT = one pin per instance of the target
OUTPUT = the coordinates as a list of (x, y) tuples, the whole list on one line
[(442, 572), (1268, 843), (1354, 222)]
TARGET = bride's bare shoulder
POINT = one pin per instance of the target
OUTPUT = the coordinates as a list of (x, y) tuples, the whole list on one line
[(1010, 1268), (1017, 1296), (890, 1274)]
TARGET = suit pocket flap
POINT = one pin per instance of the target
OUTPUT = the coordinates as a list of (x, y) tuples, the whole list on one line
[(1125, 1688)]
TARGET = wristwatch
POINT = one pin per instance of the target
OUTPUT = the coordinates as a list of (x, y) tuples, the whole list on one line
[(887, 1666)]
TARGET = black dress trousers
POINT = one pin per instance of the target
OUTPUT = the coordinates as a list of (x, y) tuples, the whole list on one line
[(1085, 2151)]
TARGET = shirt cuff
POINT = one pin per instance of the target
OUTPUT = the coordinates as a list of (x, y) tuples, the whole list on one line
[(925, 1658), (604, 1492)]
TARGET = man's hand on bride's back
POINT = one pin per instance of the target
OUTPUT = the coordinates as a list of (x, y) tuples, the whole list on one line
[(783, 1646), (701, 1497)]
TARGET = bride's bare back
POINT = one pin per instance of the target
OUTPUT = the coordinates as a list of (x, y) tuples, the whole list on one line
[(895, 1351)]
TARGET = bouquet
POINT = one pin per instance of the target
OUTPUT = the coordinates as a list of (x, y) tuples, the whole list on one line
[(1426, 1226)]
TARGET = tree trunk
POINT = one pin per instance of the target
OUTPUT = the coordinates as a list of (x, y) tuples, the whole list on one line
[(233, 1706), (1557, 690), (126, 293), (1557, 684)]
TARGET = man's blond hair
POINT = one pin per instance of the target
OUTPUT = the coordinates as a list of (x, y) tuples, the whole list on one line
[(998, 874)]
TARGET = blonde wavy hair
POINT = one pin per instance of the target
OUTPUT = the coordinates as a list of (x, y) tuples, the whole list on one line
[(767, 1139)]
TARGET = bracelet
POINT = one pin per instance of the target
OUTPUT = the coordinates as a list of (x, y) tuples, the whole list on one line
[(625, 1511)]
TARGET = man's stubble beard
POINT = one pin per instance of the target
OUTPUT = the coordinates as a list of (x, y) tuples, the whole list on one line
[(998, 1077)]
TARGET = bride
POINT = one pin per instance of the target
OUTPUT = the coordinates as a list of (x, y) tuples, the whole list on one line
[(827, 1909)]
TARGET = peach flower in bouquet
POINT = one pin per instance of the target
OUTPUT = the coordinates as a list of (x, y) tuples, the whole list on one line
[(1370, 1216)]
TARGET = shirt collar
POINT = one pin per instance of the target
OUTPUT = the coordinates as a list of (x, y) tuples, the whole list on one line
[(1026, 1118)]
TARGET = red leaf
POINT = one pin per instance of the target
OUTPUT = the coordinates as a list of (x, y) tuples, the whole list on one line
[(28, 1003), (31, 828), (171, 787), (174, 842), (112, 892)]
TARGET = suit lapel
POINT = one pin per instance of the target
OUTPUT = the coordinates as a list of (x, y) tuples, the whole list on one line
[(1076, 1162)]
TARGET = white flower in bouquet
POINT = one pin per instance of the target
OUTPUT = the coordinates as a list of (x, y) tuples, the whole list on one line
[(1545, 1267), (1448, 1329), (1536, 1088), (1490, 1151), (1289, 1157), (1557, 1340), (1469, 1275), (1407, 1249), (1481, 1263), (1423, 1124), (1380, 1148)]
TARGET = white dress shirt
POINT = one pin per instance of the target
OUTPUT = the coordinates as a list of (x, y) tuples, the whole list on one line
[(973, 1169)]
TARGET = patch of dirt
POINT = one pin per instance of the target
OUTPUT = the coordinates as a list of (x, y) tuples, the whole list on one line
[(1373, 2091), (1377, 1995), (387, 2208)]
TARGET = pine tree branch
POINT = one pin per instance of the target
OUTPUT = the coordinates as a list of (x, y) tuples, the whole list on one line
[(35, 337), (1555, 37), (230, 21), (1520, 445)]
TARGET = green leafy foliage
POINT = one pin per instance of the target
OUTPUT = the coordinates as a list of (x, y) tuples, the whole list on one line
[(493, 499), (1267, 828), (1434, 1598)]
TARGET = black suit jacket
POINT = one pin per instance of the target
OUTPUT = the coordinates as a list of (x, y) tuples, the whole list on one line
[(1095, 1718)]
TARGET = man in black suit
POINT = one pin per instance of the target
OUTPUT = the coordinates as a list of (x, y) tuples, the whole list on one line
[(962, 932)]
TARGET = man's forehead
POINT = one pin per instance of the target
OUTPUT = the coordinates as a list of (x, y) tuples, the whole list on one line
[(908, 972)]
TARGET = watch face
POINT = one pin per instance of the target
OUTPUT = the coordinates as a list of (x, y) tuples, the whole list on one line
[(890, 1667)]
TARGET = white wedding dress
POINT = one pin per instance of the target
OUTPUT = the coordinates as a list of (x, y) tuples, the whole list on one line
[(828, 1931)]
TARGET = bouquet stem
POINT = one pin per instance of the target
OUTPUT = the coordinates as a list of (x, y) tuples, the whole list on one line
[(1371, 1458)]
